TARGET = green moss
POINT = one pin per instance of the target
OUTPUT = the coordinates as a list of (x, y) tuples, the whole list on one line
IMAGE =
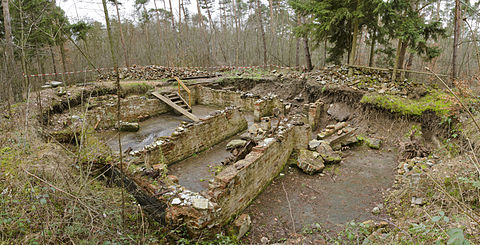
[(136, 87), (434, 101)]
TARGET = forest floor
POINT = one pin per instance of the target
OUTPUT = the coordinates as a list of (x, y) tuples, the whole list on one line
[(48, 197)]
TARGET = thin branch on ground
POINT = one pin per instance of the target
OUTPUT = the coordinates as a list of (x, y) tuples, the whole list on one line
[(289, 208)]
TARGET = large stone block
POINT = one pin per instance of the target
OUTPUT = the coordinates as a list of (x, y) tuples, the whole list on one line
[(310, 162)]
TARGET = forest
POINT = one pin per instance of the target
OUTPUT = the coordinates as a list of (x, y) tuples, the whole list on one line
[(375, 81)]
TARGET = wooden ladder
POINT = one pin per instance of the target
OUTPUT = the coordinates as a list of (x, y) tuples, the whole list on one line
[(177, 99)]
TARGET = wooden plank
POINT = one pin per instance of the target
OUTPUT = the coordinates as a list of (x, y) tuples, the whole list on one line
[(176, 107), (183, 100)]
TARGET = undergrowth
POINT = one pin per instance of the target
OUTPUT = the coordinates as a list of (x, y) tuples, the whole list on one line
[(46, 198)]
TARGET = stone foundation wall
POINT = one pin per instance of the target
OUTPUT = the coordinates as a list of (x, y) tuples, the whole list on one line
[(133, 109), (314, 112), (236, 186), (195, 137), (261, 106)]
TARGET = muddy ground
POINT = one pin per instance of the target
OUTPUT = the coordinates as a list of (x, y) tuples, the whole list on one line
[(345, 192)]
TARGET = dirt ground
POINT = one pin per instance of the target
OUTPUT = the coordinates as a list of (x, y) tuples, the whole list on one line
[(348, 191)]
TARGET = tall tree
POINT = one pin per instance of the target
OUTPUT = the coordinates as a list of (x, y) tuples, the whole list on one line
[(9, 55), (338, 22), (119, 92), (122, 36), (404, 21), (456, 35), (261, 31)]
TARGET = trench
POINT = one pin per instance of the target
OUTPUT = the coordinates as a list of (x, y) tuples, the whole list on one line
[(195, 172)]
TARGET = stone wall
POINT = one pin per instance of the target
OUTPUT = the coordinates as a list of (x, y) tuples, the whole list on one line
[(236, 186), (195, 137), (133, 109), (261, 106), (314, 112)]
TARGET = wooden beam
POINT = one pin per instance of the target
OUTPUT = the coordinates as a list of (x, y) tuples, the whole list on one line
[(176, 107)]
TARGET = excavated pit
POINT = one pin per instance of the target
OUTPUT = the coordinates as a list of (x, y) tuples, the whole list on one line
[(200, 192), (159, 126)]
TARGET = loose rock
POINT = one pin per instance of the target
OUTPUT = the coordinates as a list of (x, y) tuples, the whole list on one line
[(236, 144), (310, 162), (242, 225), (129, 127), (312, 145), (327, 153), (339, 111), (373, 143)]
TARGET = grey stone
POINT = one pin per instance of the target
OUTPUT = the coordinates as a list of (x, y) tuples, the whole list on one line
[(236, 144), (417, 201), (200, 203), (327, 153), (376, 210), (309, 162), (176, 201), (55, 83), (349, 141), (264, 240), (241, 225), (339, 111), (313, 144), (253, 129), (373, 143), (129, 127)]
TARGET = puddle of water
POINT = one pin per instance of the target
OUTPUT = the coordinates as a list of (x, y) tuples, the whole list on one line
[(150, 129), (353, 188)]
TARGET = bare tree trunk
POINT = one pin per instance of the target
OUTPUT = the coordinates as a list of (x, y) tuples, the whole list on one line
[(353, 51), (174, 31), (409, 64), (115, 64), (262, 32), (160, 32), (456, 35), (372, 48), (122, 38), (297, 53), (325, 52), (8, 53), (171, 15), (205, 35), (179, 14), (400, 56), (147, 36), (475, 44), (61, 46), (237, 44), (308, 58), (297, 44), (212, 25)]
